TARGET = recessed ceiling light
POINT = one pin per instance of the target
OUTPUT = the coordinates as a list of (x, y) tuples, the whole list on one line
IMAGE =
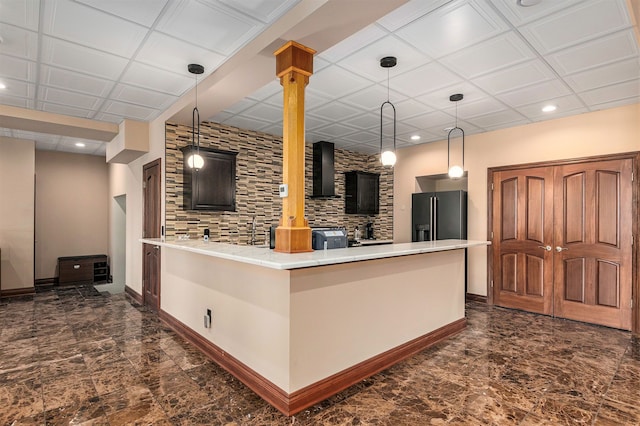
[(415, 137), (549, 108), (80, 145), (2, 86)]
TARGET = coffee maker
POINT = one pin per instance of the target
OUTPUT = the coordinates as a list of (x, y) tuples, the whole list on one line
[(368, 231)]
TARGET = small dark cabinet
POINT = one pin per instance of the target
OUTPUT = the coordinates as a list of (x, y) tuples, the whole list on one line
[(361, 192), (213, 187), (83, 269)]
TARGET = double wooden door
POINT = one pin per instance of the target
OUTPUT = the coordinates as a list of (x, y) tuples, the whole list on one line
[(563, 240)]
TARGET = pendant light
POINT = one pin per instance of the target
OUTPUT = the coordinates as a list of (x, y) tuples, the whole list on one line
[(388, 157), (455, 171), (195, 160)]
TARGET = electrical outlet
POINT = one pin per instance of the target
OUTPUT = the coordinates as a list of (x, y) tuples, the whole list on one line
[(207, 319)]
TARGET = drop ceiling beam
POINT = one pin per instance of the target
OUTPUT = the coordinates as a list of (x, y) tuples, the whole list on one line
[(57, 124)]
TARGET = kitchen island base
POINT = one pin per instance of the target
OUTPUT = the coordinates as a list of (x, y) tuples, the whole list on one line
[(290, 404), (298, 336)]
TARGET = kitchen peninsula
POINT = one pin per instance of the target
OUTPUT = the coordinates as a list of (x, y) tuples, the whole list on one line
[(298, 328)]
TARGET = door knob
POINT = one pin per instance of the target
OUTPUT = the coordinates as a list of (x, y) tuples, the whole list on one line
[(559, 249), (547, 248)]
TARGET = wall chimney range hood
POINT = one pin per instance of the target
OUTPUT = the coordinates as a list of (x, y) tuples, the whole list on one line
[(323, 171)]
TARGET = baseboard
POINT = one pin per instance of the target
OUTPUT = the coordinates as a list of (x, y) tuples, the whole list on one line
[(134, 295), (45, 281), (14, 292), (476, 298), (290, 404)]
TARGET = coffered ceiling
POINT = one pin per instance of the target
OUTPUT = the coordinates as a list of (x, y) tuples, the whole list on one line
[(113, 59)]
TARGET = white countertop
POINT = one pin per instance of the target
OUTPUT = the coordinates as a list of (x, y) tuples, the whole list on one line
[(266, 257)]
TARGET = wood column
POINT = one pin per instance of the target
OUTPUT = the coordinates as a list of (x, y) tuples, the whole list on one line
[(294, 65)]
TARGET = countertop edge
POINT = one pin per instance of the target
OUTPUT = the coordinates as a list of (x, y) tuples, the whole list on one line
[(284, 261)]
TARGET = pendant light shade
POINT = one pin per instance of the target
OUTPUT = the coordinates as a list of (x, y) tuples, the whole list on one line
[(456, 170), (387, 156), (195, 160)]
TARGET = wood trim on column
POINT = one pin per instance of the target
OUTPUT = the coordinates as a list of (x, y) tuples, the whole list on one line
[(290, 404), (294, 65)]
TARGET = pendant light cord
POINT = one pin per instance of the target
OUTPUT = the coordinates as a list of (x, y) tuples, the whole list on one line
[(195, 121), (394, 116), (456, 111), (388, 91)]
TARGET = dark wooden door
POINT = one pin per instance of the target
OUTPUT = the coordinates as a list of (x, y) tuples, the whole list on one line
[(151, 229), (151, 281), (593, 242), (523, 238)]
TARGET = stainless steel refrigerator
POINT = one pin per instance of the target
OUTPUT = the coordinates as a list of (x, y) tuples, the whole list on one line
[(439, 215)]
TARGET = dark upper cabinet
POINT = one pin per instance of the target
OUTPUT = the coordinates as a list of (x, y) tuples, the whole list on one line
[(213, 187), (361, 192)]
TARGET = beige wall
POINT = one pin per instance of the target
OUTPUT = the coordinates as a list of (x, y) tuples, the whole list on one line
[(71, 208), (367, 308), (602, 132), (249, 303), (16, 213)]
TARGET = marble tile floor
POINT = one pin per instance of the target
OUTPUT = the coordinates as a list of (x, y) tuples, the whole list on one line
[(74, 356)]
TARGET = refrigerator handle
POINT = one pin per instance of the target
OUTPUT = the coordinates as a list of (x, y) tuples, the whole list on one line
[(430, 218), (435, 218)]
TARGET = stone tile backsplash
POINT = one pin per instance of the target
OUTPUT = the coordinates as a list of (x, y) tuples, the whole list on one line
[(259, 172)]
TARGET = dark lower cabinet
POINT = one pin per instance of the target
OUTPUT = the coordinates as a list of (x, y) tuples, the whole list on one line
[(213, 187), (362, 192), (83, 269)]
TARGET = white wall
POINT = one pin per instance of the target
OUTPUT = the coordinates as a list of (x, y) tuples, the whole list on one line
[(118, 228), (17, 209), (118, 223), (126, 179), (603, 132)]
